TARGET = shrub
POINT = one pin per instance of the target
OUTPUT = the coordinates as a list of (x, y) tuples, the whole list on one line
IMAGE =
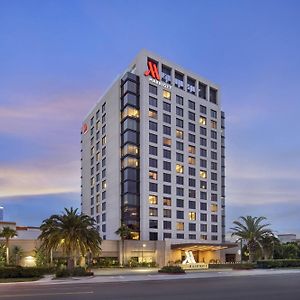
[(76, 272), (278, 263), (234, 266), (62, 273), (247, 266), (26, 272), (172, 270)]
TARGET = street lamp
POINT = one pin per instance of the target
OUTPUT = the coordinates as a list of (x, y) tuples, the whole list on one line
[(144, 245)]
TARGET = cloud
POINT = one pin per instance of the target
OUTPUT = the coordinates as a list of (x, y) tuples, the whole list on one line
[(40, 178)]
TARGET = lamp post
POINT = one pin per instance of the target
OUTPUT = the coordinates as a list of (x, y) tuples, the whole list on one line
[(144, 245)]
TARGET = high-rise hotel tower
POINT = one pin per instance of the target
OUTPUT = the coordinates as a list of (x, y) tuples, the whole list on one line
[(153, 155)]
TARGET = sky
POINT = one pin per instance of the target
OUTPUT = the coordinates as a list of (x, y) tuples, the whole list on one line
[(57, 57)]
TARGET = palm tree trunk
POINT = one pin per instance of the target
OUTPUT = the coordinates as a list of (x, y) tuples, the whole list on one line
[(7, 251), (123, 252)]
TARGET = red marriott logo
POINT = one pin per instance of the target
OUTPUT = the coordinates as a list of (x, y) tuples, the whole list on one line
[(152, 70)]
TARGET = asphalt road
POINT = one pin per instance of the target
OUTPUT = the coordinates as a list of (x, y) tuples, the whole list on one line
[(267, 287)]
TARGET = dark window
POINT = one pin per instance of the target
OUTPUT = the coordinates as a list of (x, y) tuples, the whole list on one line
[(152, 89), (191, 104), (202, 130), (179, 203), (152, 126), (191, 116), (192, 127), (202, 90), (152, 150), (214, 218), (203, 163), (203, 109), (192, 171), (129, 124), (152, 187), (180, 236), (203, 217), (153, 224), (192, 227), (153, 162), (167, 118), (179, 180), (167, 235), (179, 191), (192, 138), (213, 114), (203, 195), (179, 157), (167, 177), (152, 101), (167, 165), (179, 146), (179, 123), (203, 206), (192, 182), (167, 130), (152, 138), (192, 204), (167, 106), (179, 100), (191, 85), (166, 74), (179, 111), (179, 80), (212, 95), (167, 225), (167, 153), (153, 236), (179, 214), (203, 227), (214, 228), (167, 189), (130, 137)]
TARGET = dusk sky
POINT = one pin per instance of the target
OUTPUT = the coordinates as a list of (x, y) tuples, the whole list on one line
[(58, 57)]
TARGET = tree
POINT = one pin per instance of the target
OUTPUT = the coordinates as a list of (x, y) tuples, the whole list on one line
[(17, 254), (125, 233), (8, 233), (252, 231), (72, 232), (268, 243)]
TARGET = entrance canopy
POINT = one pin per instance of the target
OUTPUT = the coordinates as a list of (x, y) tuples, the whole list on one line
[(202, 247)]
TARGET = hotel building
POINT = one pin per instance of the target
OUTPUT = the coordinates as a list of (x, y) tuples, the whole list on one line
[(153, 157)]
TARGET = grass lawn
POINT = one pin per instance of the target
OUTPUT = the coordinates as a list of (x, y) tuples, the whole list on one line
[(5, 280)]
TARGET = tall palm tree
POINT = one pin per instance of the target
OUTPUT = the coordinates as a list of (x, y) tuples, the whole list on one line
[(268, 243), (7, 233), (74, 233), (252, 231), (125, 233)]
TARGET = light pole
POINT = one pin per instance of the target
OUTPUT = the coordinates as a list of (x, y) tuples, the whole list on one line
[(144, 245)]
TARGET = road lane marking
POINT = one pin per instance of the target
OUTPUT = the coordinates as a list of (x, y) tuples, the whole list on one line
[(45, 294)]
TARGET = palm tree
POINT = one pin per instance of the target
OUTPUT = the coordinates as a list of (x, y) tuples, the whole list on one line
[(17, 254), (7, 233), (74, 233), (268, 243), (252, 231), (124, 232)]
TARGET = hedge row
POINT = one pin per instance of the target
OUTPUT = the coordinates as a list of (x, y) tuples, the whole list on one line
[(235, 266), (20, 272), (171, 270), (278, 263)]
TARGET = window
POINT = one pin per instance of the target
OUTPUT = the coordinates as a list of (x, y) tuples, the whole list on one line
[(167, 235), (179, 111), (213, 124), (167, 201), (192, 193), (152, 199), (104, 140), (152, 114), (214, 145), (192, 171), (129, 124), (179, 146), (214, 218), (191, 85), (167, 165), (203, 163), (179, 203), (214, 228), (203, 184), (203, 237), (179, 157), (192, 138), (192, 182), (192, 149), (130, 162), (179, 214), (192, 160), (214, 197), (203, 206), (103, 118), (203, 174), (152, 187), (179, 180), (153, 162), (179, 191), (213, 114), (179, 134), (152, 89), (202, 121), (203, 109), (153, 236), (167, 213), (153, 212), (152, 126), (153, 224), (192, 216), (191, 104), (192, 127), (167, 94), (214, 237), (203, 217), (212, 95), (179, 80), (167, 106), (202, 130), (167, 130), (214, 207), (167, 142), (167, 225), (167, 118), (179, 100), (191, 116), (203, 227), (152, 101), (192, 236), (152, 150), (167, 177), (153, 138), (130, 112), (202, 90), (179, 168), (192, 204), (213, 134), (167, 153), (203, 152), (214, 176), (179, 123), (180, 236), (180, 226), (166, 74), (153, 175), (214, 165)]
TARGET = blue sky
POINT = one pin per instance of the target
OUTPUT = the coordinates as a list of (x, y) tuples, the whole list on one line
[(58, 57)]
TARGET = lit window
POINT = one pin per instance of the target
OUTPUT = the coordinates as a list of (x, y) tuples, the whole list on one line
[(104, 184), (203, 174), (153, 212), (98, 156), (179, 168), (130, 162), (202, 121), (98, 125), (203, 237), (104, 140), (192, 149), (192, 160), (167, 94), (167, 142), (214, 207), (179, 134), (153, 175), (192, 216), (130, 112), (167, 201), (130, 149), (180, 226), (152, 199), (152, 114), (92, 181), (214, 124)]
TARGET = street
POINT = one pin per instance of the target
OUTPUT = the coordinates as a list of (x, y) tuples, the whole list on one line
[(266, 287)]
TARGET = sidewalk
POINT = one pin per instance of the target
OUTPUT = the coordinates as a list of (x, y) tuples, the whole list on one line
[(157, 276)]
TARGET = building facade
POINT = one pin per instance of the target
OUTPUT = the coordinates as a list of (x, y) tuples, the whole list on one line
[(1, 213), (153, 156)]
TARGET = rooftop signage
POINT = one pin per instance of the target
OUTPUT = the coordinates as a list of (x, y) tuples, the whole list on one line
[(154, 75)]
